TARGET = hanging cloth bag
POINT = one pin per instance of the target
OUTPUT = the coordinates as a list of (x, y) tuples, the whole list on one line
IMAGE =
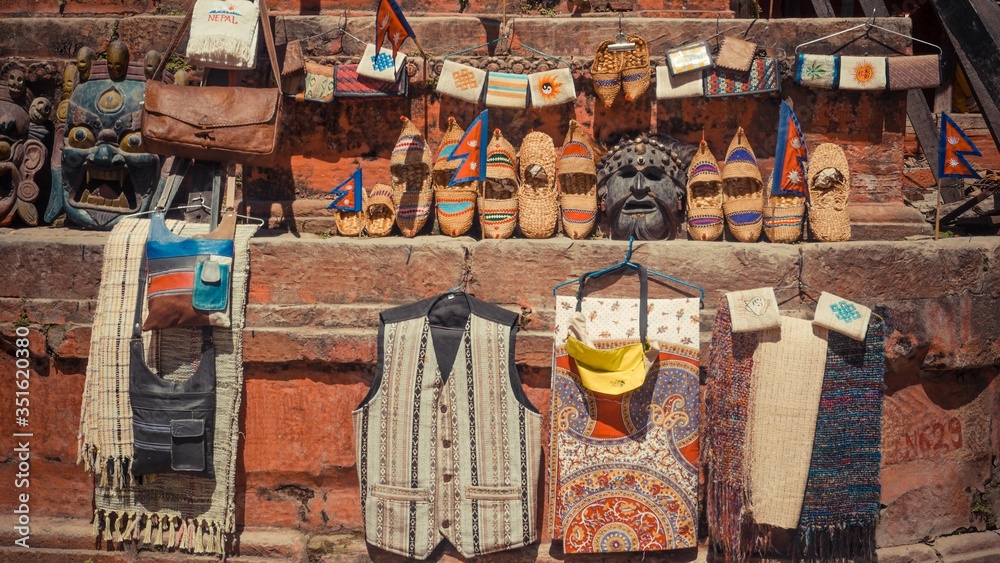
[(551, 87), (383, 66), (173, 421), (612, 371), (215, 123), (224, 34)]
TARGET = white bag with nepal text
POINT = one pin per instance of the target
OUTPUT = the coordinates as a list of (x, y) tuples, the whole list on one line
[(224, 34)]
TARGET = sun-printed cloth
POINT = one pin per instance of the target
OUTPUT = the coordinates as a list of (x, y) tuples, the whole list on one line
[(624, 477), (862, 73), (551, 87)]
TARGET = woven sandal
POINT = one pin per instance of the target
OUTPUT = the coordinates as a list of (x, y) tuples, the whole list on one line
[(410, 171), (351, 223), (635, 69), (783, 216), (577, 175), (704, 196), (829, 186), (537, 197), (743, 193), (606, 70), (381, 211), (456, 205), (498, 205)]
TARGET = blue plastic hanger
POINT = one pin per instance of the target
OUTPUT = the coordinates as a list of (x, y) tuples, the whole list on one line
[(627, 263)]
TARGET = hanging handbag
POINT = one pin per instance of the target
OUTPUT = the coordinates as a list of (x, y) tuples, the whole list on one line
[(914, 72), (189, 278), (349, 84), (736, 54), (215, 123), (224, 34), (320, 83), (689, 58), (552, 87), (173, 422), (383, 66), (461, 81), (506, 90), (764, 77)]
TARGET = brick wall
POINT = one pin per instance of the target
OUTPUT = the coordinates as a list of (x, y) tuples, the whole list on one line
[(310, 350)]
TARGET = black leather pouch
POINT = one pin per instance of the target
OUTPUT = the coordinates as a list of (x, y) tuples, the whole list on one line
[(187, 445)]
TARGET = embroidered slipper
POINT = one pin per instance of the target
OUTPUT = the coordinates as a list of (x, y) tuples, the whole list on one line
[(577, 175), (410, 171), (635, 69), (381, 211), (456, 205), (539, 207), (498, 205), (351, 223), (606, 70), (704, 196), (783, 216), (829, 185), (743, 194)]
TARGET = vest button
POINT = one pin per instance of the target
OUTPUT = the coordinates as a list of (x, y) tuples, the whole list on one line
[(444, 408), (446, 477), (446, 524), (446, 443)]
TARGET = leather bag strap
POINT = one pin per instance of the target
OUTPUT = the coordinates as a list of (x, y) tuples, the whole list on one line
[(643, 296), (268, 34)]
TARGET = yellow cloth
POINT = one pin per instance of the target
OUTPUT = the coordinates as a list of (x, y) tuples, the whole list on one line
[(612, 372)]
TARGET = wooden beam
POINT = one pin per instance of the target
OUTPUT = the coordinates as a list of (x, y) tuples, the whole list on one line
[(874, 7), (847, 8), (823, 9), (973, 26), (946, 91)]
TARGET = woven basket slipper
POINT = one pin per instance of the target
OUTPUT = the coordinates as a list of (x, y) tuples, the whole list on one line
[(351, 223), (606, 71), (783, 216), (498, 204), (829, 187), (635, 69), (704, 196), (537, 197), (577, 175), (381, 211), (410, 172), (743, 190)]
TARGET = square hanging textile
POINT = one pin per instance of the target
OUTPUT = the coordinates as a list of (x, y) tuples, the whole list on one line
[(506, 90), (383, 66), (763, 78), (461, 81), (349, 84)]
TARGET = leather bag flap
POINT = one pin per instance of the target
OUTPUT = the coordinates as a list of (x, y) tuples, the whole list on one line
[(212, 106), (190, 428)]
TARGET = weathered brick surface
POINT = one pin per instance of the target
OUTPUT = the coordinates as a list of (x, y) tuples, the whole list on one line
[(969, 548), (310, 347)]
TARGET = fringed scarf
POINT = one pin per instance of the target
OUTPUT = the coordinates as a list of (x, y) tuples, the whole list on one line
[(841, 503)]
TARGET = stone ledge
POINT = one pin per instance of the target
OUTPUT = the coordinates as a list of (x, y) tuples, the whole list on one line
[(983, 547)]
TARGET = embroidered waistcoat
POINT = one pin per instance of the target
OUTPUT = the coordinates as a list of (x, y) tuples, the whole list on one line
[(448, 448)]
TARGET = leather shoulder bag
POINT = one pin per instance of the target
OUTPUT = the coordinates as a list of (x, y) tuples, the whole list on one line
[(215, 123)]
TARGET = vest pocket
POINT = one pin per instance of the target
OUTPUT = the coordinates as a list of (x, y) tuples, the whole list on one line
[(491, 509), (493, 493), (400, 520), (187, 445)]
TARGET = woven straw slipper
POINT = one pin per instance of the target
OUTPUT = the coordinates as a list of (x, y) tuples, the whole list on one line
[(456, 205), (606, 70), (783, 216), (704, 196), (410, 171), (743, 191), (635, 69), (537, 197), (829, 186), (498, 206), (351, 223), (577, 175), (381, 211)]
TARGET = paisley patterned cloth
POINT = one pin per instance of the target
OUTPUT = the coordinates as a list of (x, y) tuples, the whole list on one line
[(623, 469)]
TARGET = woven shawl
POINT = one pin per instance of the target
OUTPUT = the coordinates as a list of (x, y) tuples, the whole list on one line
[(841, 503), (185, 512), (842, 492)]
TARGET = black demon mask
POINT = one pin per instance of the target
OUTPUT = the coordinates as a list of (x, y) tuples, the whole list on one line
[(641, 182)]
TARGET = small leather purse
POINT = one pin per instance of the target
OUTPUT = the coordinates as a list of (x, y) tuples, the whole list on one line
[(689, 58)]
